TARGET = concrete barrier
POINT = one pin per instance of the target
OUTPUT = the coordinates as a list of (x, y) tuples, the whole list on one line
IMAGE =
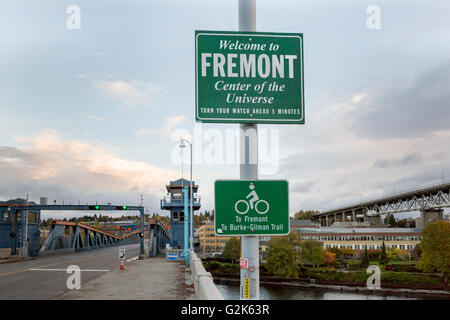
[(205, 289), (5, 252)]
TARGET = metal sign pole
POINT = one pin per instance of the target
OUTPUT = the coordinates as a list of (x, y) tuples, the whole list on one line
[(191, 240), (25, 249), (249, 171)]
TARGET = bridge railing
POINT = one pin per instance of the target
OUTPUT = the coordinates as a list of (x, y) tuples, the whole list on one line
[(205, 289)]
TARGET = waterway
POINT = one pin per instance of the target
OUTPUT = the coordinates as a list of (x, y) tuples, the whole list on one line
[(230, 292)]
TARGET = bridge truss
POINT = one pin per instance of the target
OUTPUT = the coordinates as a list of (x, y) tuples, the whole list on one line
[(433, 197)]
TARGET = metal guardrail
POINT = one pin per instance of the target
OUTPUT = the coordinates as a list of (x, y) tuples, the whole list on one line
[(205, 289)]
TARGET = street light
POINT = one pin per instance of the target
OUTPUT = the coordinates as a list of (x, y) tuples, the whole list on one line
[(191, 238)]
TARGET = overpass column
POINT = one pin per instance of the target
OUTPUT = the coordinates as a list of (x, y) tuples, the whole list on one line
[(354, 215), (335, 218), (429, 215), (326, 221)]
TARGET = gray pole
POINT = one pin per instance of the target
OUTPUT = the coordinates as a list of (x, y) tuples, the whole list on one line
[(192, 211), (141, 240), (249, 167)]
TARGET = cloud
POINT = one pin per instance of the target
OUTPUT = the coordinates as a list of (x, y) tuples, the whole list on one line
[(97, 118), (131, 94), (73, 170), (398, 110), (170, 123), (404, 160), (347, 166)]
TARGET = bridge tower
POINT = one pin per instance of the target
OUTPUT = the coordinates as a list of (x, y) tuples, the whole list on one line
[(12, 228), (173, 202)]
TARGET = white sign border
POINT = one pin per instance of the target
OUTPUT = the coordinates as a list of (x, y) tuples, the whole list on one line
[(245, 120)]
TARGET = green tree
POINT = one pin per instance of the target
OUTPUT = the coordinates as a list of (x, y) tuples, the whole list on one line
[(365, 259), (416, 252), (402, 223), (282, 256), (311, 252), (305, 215), (391, 220), (394, 254), (435, 247), (383, 255), (232, 249)]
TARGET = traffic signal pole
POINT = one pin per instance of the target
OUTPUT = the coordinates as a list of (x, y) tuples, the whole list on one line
[(141, 239), (249, 288)]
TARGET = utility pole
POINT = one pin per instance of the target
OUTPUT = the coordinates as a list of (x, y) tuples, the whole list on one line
[(248, 141)]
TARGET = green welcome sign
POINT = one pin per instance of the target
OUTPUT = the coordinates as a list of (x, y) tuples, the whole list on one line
[(249, 77), (251, 207)]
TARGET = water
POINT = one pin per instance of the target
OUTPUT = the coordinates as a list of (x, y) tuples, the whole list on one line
[(231, 292)]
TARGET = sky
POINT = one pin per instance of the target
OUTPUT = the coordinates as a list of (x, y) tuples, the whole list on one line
[(96, 113)]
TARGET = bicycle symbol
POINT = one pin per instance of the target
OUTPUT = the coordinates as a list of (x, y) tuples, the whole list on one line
[(252, 203)]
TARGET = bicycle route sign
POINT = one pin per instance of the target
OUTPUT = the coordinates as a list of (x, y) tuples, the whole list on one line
[(251, 207), (249, 77)]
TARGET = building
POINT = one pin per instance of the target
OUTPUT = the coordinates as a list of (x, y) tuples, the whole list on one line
[(357, 239), (13, 215), (209, 242), (174, 202), (294, 224)]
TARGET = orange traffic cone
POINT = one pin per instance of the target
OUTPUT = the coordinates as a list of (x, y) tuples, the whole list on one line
[(122, 265)]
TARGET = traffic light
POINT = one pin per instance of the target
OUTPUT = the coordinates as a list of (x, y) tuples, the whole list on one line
[(121, 207), (96, 207)]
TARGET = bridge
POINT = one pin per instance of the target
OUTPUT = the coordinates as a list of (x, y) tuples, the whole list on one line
[(65, 236), (70, 236), (429, 200)]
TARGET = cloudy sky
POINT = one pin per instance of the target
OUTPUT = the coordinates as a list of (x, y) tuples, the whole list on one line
[(94, 114)]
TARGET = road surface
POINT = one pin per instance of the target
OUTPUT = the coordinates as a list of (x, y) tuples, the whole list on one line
[(46, 277)]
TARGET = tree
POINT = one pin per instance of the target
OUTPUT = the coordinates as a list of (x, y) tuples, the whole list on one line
[(383, 256), (416, 252), (391, 220), (330, 257), (394, 254), (347, 252), (402, 223), (305, 215), (365, 259), (282, 256), (232, 249), (435, 247), (311, 252)]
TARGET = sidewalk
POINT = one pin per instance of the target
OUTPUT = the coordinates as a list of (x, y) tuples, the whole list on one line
[(148, 279)]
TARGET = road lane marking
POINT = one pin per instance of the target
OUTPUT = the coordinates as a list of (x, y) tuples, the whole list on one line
[(91, 270), (56, 263)]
